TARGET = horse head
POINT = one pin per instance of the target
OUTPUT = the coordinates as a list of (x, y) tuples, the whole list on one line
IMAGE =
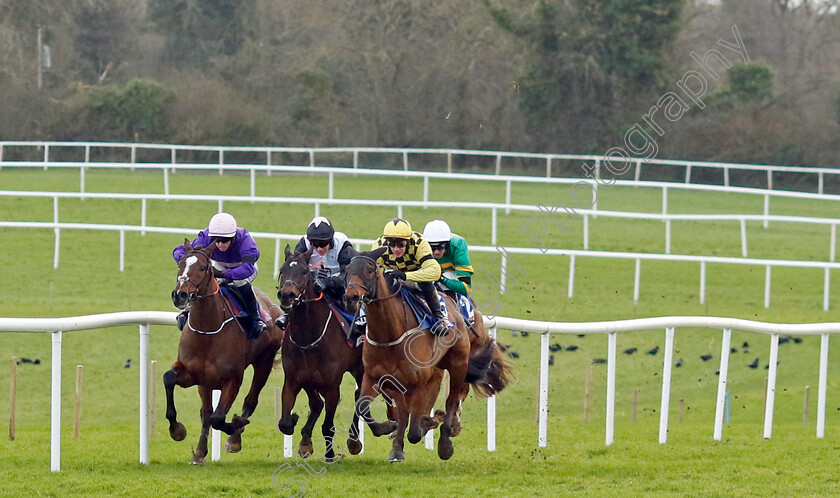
[(361, 276), (295, 279), (195, 275)]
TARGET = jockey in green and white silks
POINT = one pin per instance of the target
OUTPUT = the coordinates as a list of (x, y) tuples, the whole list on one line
[(452, 253)]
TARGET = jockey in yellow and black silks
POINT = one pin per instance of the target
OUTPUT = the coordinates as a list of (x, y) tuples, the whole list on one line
[(409, 257)]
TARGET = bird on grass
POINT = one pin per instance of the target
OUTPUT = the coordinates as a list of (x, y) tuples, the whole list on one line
[(745, 345), (754, 364), (599, 360), (630, 350), (555, 347), (797, 340), (550, 359), (679, 363), (654, 350), (571, 348), (706, 357), (127, 363), (513, 354)]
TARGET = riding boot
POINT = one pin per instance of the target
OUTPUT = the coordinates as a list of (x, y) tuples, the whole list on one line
[(357, 328), (249, 302), (442, 324), (282, 321), (182, 318)]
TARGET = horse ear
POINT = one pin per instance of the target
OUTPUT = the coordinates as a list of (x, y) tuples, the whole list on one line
[(308, 252), (209, 249), (287, 251), (376, 253), (187, 244)]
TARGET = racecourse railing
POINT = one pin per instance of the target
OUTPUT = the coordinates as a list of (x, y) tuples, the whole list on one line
[(505, 257), (15, 151), (57, 326), (670, 323), (556, 216)]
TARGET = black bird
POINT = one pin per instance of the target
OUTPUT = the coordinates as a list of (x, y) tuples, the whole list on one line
[(555, 347), (581, 335), (502, 347), (654, 350), (746, 350), (599, 360), (514, 354), (26, 360), (705, 357), (784, 340), (37, 361), (127, 363), (571, 348), (550, 359), (679, 363), (797, 340), (733, 350), (745, 345), (753, 364), (524, 334), (630, 350)]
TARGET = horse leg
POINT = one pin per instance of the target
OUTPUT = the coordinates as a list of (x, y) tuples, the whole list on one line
[(421, 405), (331, 397), (353, 443), (315, 406), (217, 420), (175, 375), (367, 395), (262, 369), (456, 386), (288, 420), (206, 410), (397, 453)]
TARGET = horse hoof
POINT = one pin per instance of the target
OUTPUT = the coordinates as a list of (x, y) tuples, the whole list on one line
[(233, 447), (380, 429), (445, 450), (305, 451), (396, 456), (354, 446), (456, 429), (178, 432), (197, 460)]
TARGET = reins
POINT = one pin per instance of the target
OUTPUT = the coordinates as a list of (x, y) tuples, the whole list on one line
[(195, 296)]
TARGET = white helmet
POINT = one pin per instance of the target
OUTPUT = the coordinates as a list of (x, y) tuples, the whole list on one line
[(222, 225), (437, 231)]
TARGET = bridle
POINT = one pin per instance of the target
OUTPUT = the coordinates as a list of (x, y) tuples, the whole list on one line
[(370, 294), (300, 300), (196, 296)]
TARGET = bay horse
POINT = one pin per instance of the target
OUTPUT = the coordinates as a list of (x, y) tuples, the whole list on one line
[(316, 356), (404, 363), (214, 352)]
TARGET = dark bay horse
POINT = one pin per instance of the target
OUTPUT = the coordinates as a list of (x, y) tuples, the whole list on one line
[(315, 356), (404, 363), (214, 352)]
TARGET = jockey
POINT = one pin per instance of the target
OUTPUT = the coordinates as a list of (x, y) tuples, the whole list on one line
[(330, 255), (234, 262), (409, 257), (452, 253)]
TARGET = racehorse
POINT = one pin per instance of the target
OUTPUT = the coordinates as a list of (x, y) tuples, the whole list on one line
[(403, 362), (214, 352), (315, 356)]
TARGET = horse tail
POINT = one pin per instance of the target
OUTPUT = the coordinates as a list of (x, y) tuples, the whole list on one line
[(488, 371)]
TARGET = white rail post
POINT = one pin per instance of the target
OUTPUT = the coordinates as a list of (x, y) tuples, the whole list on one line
[(143, 215), (725, 344), (636, 279), (571, 275), (507, 196), (664, 200), (425, 190), (253, 183), (822, 386), (667, 236), (767, 287), (144, 393), (610, 431), (833, 244), (55, 404), (491, 407), (702, 282), (331, 186), (766, 210), (543, 418), (57, 232), (493, 226), (771, 386), (405, 160), (585, 231), (665, 404), (215, 435), (826, 288), (688, 173), (743, 237)]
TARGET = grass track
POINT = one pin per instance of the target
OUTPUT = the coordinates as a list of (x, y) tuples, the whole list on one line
[(576, 462)]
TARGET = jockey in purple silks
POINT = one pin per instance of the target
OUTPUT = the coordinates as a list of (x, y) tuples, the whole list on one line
[(234, 262)]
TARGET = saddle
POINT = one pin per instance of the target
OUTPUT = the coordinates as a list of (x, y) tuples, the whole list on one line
[(248, 324)]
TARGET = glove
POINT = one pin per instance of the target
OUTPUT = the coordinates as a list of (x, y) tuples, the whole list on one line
[(218, 273), (397, 274), (321, 273)]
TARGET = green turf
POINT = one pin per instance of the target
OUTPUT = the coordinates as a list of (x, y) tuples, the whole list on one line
[(104, 460)]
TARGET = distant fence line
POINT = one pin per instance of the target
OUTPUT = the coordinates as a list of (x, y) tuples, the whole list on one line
[(13, 151), (56, 327), (502, 263), (572, 213)]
